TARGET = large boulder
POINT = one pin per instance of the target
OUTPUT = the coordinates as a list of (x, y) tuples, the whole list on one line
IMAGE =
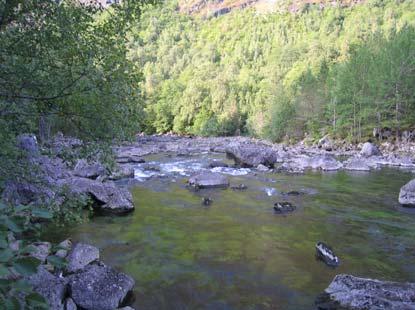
[(80, 256), (108, 197), (208, 180), (358, 164), (347, 291), (52, 288), (407, 194), (89, 170), (98, 287), (318, 162), (369, 149), (248, 156)]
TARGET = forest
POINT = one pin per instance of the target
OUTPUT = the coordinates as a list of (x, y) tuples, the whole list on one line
[(278, 76)]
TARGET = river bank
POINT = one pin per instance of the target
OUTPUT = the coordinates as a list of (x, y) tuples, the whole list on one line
[(244, 160)]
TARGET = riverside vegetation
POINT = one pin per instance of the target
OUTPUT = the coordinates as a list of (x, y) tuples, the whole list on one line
[(102, 75)]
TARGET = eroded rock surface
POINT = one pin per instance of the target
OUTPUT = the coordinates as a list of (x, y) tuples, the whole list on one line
[(209, 180), (99, 287), (355, 293), (407, 194)]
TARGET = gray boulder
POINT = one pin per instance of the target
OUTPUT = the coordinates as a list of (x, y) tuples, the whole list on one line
[(41, 250), (355, 293), (108, 197), (369, 149), (208, 180), (357, 164), (52, 288), (89, 170), (70, 304), (248, 156), (80, 256), (28, 144), (318, 162), (98, 287), (407, 194), (122, 172)]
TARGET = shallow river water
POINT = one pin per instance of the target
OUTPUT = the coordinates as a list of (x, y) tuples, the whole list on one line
[(236, 253)]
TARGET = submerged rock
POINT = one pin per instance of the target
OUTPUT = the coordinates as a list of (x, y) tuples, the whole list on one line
[(99, 287), (347, 291), (369, 149), (81, 255), (239, 187), (208, 180), (326, 254), (216, 164), (207, 201), (284, 207), (292, 193), (407, 194)]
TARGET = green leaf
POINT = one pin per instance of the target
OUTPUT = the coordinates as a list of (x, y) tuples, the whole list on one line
[(57, 261), (26, 266), (3, 243), (42, 213), (21, 208), (4, 271), (36, 301), (6, 255), (23, 285), (11, 303), (15, 223)]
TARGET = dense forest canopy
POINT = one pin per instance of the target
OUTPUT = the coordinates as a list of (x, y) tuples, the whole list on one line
[(333, 69)]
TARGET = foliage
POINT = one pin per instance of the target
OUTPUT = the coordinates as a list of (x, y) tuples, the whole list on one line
[(16, 264), (334, 69)]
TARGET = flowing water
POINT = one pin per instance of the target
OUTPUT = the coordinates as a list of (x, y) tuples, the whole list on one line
[(236, 253)]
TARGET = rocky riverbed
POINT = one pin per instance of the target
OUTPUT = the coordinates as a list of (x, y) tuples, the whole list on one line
[(235, 157)]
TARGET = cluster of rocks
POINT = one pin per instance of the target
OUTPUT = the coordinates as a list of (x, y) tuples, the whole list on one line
[(51, 178), (84, 283)]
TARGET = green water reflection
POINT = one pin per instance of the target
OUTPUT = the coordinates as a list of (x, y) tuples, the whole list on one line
[(236, 254)]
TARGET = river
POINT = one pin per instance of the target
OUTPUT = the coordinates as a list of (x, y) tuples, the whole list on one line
[(236, 253)]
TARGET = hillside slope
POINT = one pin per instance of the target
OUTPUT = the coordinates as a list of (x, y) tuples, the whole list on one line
[(220, 7), (341, 70)]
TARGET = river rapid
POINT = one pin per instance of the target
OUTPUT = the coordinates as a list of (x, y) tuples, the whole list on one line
[(236, 253)]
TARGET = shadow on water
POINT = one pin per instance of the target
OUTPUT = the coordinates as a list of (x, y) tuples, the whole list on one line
[(237, 254)]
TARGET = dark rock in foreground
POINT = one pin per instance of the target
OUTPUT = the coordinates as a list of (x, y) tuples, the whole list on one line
[(99, 287), (407, 194), (209, 180), (349, 292), (52, 288), (81, 255), (326, 254), (284, 207)]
